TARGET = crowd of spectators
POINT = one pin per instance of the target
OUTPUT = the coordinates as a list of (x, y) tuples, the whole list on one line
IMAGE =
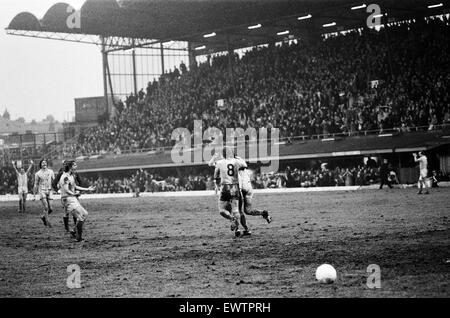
[(363, 81), (144, 181), (7, 180)]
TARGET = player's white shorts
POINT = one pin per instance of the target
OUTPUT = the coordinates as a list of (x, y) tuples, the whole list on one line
[(72, 205), (423, 174), (22, 190), (45, 194)]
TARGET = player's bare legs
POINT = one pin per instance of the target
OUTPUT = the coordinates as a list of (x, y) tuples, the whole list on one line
[(66, 215), (44, 214), (235, 215), (226, 211), (249, 210), (243, 219), (423, 184), (420, 186), (48, 199), (244, 224), (80, 214), (20, 202), (24, 200), (263, 213)]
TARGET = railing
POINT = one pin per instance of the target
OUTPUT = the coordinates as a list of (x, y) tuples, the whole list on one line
[(57, 141), (58, 148), (27, 147), (288, 140)]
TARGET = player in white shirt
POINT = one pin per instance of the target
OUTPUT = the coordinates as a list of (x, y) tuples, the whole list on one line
[(69, 196), (43, 185), (245, 203), (245, 194), (423, 168), (226, 175), (22, 184)]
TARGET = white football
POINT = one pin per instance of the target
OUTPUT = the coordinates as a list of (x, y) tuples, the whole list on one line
[(326, 274)]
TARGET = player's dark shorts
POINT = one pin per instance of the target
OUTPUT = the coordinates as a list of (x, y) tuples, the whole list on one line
[(229, 198), (229, 192)]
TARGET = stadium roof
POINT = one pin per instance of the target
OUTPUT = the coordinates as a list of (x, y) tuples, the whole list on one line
[(225, 21)]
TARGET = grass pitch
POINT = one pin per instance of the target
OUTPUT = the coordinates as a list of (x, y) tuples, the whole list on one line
[(182, 247)]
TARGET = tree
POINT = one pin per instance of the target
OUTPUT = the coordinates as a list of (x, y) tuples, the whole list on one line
[(33, 122), (21, 120), (50, 118), (6, 115)]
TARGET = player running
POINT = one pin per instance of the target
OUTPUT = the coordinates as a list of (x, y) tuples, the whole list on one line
[(22, 184), (69, 196), (245, 196), (423, 167), (245, 200), (56, 187), (226, 176), (43, 185)]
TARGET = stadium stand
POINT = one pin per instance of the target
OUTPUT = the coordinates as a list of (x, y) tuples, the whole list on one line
[(351, 87), (305, 89)]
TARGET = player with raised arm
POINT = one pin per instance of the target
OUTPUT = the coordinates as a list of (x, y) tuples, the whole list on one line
[(70, 194), (43, 185), (22, 185), (226, 175), (423, 167)]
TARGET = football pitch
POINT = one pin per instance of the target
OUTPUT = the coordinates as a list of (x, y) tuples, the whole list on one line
[(182, 247)]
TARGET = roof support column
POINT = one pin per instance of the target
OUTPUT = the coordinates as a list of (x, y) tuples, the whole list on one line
[(162, 58), (192, 59), (133, 56), (21, 148), (105, 66), (230, 64)]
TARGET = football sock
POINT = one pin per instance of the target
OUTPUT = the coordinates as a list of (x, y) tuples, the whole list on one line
[(244, 222), (79, 230), (255, 212), (66, 223)]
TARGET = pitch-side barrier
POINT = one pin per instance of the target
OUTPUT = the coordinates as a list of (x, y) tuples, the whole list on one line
[(171, 194)]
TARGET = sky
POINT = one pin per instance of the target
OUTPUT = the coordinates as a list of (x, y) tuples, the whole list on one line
[(40, 77)]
